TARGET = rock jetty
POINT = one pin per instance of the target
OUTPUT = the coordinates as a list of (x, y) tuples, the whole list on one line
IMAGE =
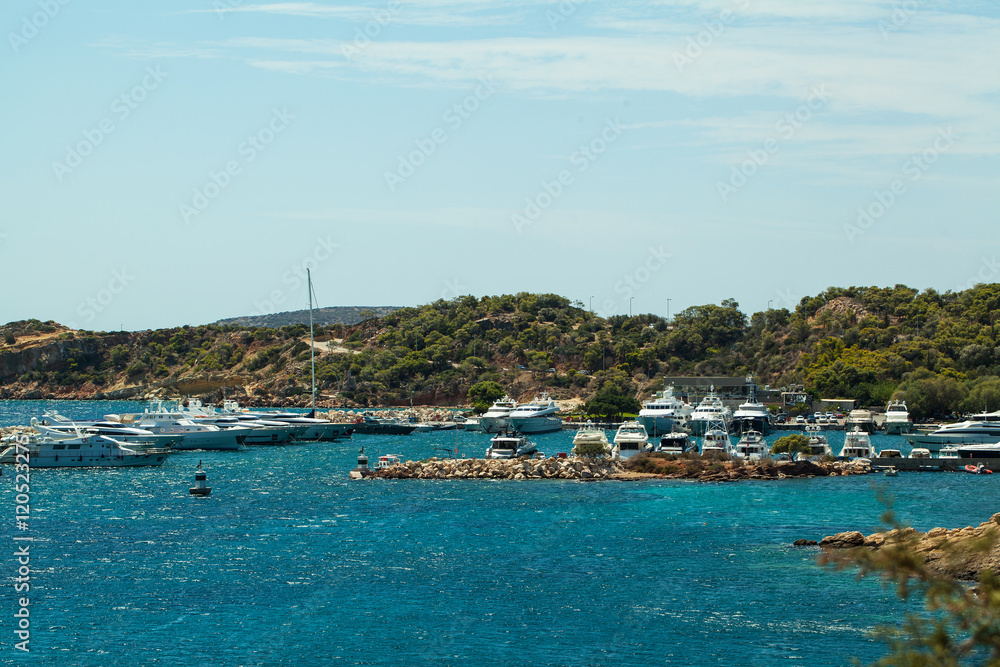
[(962, 553), (705, 470)]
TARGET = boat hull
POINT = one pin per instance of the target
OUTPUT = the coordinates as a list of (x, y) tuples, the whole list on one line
[(897, 428), (211, 440), (536, 425), (656, 424), (493, 424)]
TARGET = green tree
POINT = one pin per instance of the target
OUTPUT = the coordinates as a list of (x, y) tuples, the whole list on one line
[(483, 394), (791, 444), (610, 402)]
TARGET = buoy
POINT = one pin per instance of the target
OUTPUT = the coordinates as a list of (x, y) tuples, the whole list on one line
[(200, 487)]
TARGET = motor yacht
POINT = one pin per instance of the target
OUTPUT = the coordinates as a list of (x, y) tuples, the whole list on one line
[(710, 410), (163, 420), (861, 419), (665, 410), (857, 445), (536, 417), (59, 427), (590, 435), (752, 415), (751, 446), (920, 453), (261, 431), (495, 419), (84, 451), (510, 446), (630, 439), (897, 419), (675, 442), (819, 446), (716, 440), (970, 432)]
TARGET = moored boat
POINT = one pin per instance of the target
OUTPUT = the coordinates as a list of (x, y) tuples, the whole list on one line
[(675, 442), (495, 419), (630, 439), (710, 411), (591, 437), (857, 445), (663, 412), (86, 451), (536, 417), (751, 446), (510, 446), (860, 419), (897, 419)]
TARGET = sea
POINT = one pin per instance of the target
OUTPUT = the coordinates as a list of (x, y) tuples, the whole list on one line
[(289, 562)]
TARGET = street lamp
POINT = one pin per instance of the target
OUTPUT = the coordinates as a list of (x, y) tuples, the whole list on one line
[(630, 305), (591, 304), (668, 311)]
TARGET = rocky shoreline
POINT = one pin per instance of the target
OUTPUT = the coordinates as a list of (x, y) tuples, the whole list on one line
[(961, 553), (588, 469)]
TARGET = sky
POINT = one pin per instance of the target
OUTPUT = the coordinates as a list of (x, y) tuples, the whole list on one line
[(170, 163)]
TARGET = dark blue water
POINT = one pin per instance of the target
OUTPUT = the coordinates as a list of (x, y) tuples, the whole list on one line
[(289, 562)]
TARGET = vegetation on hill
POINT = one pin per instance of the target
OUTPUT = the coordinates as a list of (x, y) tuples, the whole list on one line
[(939, 351)]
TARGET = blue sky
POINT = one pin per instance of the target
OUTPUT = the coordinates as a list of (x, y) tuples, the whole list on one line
[(173, 163)]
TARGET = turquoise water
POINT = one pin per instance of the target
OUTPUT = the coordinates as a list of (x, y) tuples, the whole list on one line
[(289, 562)]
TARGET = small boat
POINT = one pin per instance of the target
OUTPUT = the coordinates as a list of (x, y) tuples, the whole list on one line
[(978, 470), (387, 461), (510, 446), (588, 434), (630, 439), (891, 472), (920, 453)]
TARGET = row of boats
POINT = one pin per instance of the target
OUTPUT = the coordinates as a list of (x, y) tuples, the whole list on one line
[(146, 438)]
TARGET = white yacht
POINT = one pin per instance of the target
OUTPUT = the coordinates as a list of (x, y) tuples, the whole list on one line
[(472, 424), (588, 434), (536, 417), (897, 419), (630, 439), (857, 445), (860, 419), (494, 420), (962, 433), (708, 411), (663, 411), (752, 415), (510, 446), (751, 446), (675, 442), (195, 436), (819, 446), (59, 427), (716, 440), (261, 431), (85, 451)]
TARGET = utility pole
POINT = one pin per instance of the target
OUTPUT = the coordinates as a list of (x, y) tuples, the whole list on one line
[(630, 305), (668, 311), (591, 304)]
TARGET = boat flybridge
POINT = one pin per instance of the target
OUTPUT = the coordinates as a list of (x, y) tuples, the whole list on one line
[(495, 419), (630, 439), (536, 417), (710, 411), (897, 419), (664, 411)]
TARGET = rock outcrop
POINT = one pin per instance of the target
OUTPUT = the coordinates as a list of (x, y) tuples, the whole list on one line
[(962, 553)]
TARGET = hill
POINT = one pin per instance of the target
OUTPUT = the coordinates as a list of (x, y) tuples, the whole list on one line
[(326, 316), (939, 351)]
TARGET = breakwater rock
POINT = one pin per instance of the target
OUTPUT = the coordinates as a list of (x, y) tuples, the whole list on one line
[(553, 468), (961, 553), (705, 470)]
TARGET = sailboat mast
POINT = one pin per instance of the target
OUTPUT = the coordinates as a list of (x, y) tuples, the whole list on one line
[(312, 342)]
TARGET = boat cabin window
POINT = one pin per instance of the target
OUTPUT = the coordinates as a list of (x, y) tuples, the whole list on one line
[(74, 446), (58, 446), (629, 446)]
